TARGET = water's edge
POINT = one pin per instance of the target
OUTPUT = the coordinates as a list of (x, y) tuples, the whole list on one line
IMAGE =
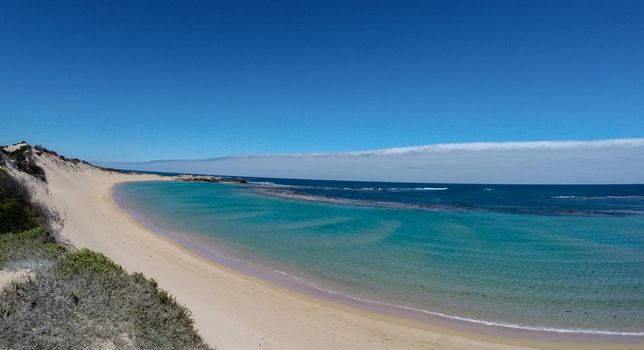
[(281, 279)]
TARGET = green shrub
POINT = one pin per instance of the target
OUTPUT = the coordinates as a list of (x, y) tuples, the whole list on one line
[(29, 248), (89, 302), (16, 212), (88, 262)]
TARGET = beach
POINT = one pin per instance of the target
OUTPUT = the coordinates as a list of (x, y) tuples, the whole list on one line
[(235, 311)]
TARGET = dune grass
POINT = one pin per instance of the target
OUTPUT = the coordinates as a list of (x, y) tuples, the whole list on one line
[(77, 299)]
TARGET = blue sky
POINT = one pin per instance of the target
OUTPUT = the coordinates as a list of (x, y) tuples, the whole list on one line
[(136, 81)]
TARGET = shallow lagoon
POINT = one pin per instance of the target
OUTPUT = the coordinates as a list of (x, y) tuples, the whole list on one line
[(480, 262)]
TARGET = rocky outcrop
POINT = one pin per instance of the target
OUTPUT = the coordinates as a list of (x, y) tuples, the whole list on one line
[(21, 157), (208, 178)]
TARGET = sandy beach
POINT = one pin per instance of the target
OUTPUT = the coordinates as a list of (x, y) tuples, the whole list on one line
[(234, 311)]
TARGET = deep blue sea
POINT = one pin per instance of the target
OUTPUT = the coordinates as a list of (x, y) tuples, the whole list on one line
[(561, 258)]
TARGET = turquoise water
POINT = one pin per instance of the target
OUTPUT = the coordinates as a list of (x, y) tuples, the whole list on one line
[(563, 272)]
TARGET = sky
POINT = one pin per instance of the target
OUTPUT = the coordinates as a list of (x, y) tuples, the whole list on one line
[(146, 80), (613, 161)]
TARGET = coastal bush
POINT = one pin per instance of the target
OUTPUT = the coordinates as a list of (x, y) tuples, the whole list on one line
[(77, 299), (91, 302), (86, 261), (29, 249), (16, 212), (27, 230)]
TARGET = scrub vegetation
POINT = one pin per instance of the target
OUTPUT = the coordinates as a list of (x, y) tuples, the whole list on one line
[(76, 299)]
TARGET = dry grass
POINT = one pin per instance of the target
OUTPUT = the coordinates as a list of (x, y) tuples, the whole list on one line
[(77, 299), (87, 300)]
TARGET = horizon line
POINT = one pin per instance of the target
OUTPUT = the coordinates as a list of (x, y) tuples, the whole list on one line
[(437, 147)]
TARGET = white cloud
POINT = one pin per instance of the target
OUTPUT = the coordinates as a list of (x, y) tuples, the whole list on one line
[(504, 146), (601, 161)]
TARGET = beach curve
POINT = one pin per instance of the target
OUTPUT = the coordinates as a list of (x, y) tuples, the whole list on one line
[(233, 311)]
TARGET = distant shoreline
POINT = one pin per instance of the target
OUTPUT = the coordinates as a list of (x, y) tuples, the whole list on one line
[(262, 178)]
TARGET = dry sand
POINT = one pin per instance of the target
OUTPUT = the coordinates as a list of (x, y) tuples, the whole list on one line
[(8, 276), (233, 311)]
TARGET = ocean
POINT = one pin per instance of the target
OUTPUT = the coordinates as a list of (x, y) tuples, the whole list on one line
[(564, 258)]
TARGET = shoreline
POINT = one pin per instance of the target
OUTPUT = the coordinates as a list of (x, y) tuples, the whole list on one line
[(234, 311), (281, 279)]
